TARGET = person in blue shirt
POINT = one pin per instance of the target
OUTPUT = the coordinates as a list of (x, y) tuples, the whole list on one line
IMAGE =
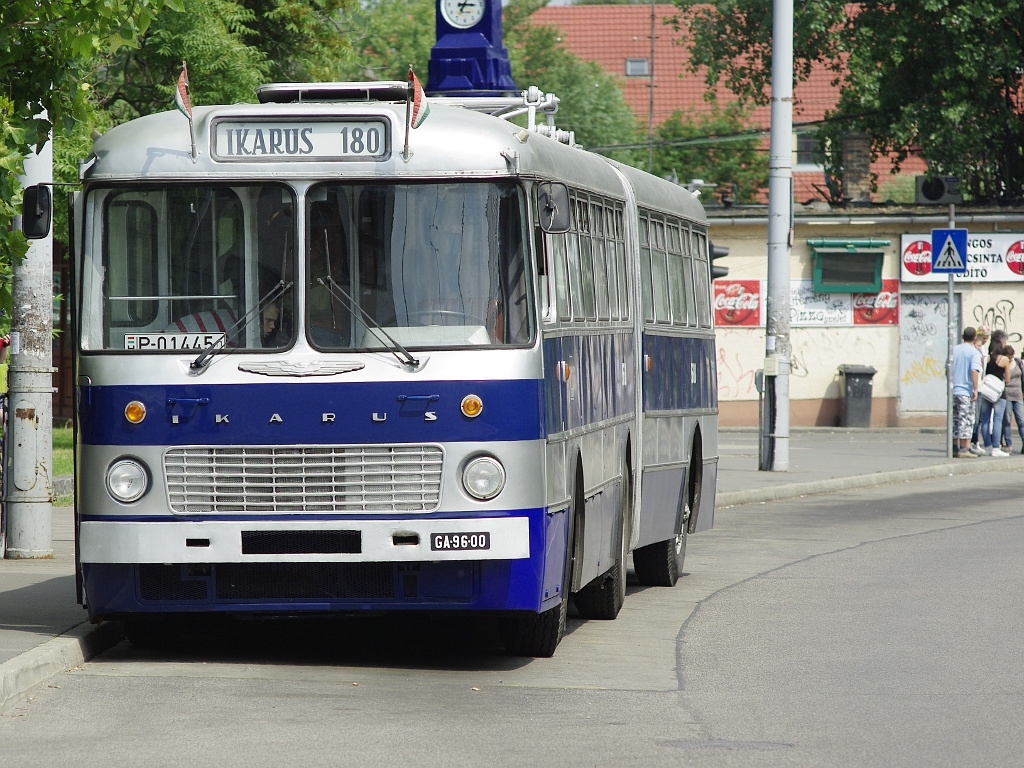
[(966, 373)]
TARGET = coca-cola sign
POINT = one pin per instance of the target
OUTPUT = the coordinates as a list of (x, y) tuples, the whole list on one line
[(1015, 257), (917, 257), (882, 308), (738, 302)]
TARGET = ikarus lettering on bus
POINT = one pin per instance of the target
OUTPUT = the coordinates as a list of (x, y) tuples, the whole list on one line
[(256, 140)]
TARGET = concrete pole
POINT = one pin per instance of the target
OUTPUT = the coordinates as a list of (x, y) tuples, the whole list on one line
[(950, 343), (28, 481), (778, 354)]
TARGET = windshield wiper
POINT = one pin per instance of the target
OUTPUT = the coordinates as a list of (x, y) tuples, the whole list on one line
[(396, 349), (204, 358)]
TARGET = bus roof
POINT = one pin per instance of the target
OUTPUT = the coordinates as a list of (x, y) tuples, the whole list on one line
[(453, 141)]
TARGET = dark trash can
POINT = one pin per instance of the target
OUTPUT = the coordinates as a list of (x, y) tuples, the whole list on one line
[(857, 395)]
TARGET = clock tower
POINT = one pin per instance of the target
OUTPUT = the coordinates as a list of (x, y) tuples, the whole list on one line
[(469, 57)]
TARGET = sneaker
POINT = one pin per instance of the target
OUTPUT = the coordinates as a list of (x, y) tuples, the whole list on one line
[(966, 455), (997, 452), (979, 451)]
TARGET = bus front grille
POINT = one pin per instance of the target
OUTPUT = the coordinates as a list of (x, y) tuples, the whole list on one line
[(313, 478)]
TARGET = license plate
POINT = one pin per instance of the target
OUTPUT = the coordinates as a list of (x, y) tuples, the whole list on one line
[(459, 542)]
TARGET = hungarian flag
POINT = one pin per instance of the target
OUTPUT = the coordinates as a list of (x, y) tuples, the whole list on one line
[(181, 99), (418, 100)]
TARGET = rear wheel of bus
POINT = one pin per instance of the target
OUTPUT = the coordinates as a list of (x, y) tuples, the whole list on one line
[(661, 564)]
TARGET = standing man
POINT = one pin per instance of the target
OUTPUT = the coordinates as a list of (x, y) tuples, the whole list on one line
[(966, 374)]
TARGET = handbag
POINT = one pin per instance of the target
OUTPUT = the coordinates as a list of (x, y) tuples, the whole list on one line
[(991, 387)]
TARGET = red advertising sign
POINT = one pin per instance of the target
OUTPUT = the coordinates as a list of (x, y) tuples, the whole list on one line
[(1015, 257), (738, 302), (882, 308), (917, 257)]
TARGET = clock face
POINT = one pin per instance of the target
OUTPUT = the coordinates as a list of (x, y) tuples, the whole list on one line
[(462, 13)]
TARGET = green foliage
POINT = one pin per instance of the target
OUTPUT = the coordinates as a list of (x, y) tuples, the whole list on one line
[(942, 77), (591, 102), (718, 147), (46, 51), (387, 37)]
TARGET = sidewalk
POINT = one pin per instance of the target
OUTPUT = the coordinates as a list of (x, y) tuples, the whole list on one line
[(44, 632)]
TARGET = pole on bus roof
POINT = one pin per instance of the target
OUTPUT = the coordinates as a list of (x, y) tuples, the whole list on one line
[(780, 237), (28, 481)]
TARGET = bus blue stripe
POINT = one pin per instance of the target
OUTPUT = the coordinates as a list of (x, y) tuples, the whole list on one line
[(293, 413)]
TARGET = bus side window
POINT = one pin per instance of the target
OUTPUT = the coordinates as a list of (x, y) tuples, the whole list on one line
[(689, 281), (557, 255), (600, 263), (703, 282), (586, 258), (659, 272), (645, 269), (677, 291), (620, 265)]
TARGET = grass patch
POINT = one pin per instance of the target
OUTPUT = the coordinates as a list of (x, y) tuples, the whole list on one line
[(63, 451), (63, 461)]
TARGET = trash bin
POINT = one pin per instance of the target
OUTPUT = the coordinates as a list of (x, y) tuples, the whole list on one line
[(857, 395)]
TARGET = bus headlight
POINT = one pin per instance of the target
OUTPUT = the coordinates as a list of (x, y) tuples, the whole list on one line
[(483, 478), (127, 480)]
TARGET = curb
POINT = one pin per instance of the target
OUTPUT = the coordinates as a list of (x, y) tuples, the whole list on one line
[(794, 490), (79, 644)]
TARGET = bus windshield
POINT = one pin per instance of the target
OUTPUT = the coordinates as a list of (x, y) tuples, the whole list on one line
[(187, 267), (431, 265)]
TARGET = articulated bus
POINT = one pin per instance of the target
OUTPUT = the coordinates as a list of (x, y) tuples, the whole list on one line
[(328, 364)]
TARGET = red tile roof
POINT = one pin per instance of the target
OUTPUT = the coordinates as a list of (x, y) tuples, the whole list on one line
[(610, 34)]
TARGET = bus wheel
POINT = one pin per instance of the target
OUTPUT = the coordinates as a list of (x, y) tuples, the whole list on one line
[(661, 563), (538, 634), (603, 597)]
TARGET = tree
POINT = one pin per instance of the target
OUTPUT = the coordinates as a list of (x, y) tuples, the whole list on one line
[(46, 52), (231, 46), (718, 147), (389, 35), (939, 77), (591, 102)]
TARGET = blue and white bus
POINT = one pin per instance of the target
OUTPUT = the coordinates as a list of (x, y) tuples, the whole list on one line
[(322, 370)]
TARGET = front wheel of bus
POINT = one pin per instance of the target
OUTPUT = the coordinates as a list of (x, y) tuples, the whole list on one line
[(539, 634)]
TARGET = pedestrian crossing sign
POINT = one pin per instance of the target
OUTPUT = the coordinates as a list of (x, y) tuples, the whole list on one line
[(949, 251)]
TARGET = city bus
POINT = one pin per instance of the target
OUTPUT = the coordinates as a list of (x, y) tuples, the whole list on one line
[(328, 364)]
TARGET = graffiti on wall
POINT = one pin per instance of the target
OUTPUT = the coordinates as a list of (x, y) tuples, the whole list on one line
[(815, 355), (1000, 316)]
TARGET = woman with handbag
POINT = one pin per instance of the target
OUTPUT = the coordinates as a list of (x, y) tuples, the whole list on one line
[(993, 404), (1013, 393)]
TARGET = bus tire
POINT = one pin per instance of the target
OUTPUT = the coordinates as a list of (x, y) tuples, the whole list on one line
[(603, 597), (538, 634), (660, 564)]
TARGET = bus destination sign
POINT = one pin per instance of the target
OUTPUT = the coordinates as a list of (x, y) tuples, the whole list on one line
[(288, 140)]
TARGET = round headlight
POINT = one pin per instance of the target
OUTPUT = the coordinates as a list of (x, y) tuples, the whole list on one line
[(483, 478), (127, 480)]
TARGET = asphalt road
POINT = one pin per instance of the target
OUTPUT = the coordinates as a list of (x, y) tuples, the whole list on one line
[(870, 628)]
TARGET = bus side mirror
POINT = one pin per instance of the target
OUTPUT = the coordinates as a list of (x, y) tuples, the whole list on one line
[(37, 212), (553, 207)]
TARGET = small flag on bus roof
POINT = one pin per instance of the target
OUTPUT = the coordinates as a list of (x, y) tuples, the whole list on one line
[(418, 100), (181, 97)]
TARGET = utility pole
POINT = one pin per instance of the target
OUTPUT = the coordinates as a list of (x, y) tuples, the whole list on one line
[(778, 355), (28, 481)]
